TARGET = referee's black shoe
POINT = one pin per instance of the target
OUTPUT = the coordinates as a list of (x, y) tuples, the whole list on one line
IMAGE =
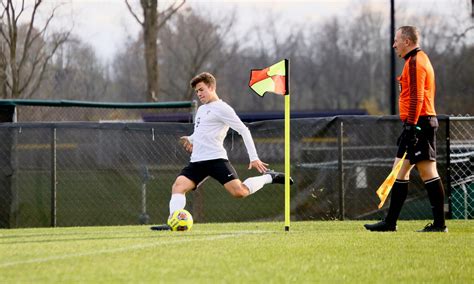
[(163, 227), (381, 226), (278, 177), (432, 228)]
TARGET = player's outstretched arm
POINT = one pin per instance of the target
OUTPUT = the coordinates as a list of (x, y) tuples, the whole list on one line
[(186, 143), (258, 165)]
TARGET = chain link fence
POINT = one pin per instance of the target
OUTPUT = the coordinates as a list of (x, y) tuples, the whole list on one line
[(75, 174), (461, 170)]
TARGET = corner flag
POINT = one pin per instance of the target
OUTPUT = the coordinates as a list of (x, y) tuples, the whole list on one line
[(273, 79), (386, 186), (276, 79)]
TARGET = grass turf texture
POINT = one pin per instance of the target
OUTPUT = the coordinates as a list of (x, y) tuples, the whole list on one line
[(329, 251)]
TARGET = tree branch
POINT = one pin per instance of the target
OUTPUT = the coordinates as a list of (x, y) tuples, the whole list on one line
[(463, 34), (169, 12), (29, 40), (22, 9), (39, 56), (133, 13), (62, 39), (4, 36), (11, 23)]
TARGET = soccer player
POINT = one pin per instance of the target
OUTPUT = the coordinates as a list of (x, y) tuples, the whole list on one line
[(418, 139), (208, 156)]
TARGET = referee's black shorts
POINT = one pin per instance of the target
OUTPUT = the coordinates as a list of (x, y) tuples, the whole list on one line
[(219, 169), (425, 149)]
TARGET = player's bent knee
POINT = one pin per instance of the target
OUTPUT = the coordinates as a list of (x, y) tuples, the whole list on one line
[(182, 185), (237, 190), (176, 188), (240, 193)]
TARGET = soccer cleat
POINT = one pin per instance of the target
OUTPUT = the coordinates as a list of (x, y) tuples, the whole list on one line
[(432, 228), (278, 177), (163, 227), (381, 226)]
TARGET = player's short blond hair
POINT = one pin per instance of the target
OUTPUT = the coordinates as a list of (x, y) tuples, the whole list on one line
[(205, 77), (411, 33)]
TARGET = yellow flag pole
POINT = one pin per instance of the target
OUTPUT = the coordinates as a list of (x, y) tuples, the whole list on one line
[(287, 147), (287, 162), (261, 87)]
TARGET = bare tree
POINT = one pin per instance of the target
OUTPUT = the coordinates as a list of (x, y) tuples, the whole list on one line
[(25, 48), (152, 22), (129, 72), (3, 71), (339, 64), (211, 50), (272, 45), (77, 73)]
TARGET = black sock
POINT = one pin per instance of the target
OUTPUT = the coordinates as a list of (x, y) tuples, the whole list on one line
[(397, 198), (435, 190)]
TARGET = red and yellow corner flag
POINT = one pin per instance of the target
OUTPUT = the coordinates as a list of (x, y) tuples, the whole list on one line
[(273, 79), (386, 186)]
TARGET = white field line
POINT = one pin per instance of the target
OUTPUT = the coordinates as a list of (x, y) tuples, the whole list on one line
[(125, 249)]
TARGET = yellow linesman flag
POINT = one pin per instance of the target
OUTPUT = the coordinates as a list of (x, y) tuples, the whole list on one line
[(386, 186)]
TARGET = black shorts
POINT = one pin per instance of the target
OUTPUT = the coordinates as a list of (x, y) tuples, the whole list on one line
[(219, 169), (425, 149)]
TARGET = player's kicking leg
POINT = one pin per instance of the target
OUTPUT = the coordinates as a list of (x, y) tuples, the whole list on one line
[(251, 185), (181, 186)]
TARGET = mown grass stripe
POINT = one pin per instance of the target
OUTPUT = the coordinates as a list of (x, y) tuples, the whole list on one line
[(126, 249)]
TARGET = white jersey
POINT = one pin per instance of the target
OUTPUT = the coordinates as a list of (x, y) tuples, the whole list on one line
[(210, 129)]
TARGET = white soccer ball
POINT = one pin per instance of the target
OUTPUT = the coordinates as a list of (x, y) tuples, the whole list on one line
[(181, 220)]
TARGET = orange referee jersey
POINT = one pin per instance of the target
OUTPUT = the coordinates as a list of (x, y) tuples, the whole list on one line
[(417, 87)]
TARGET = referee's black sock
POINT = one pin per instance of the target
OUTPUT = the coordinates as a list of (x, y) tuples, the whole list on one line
[(397, 198), (435, 190)]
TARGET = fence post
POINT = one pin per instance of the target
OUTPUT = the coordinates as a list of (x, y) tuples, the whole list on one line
[(340, 142), (53, 176), (448, 168), (7, 115), (144, 218)]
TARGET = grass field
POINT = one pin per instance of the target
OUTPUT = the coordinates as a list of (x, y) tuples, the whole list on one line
[(326, 251)]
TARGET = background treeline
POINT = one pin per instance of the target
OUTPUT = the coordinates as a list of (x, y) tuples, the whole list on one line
[(342, 63)]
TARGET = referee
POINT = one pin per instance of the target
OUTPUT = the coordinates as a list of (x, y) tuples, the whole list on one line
[(418, 139)]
